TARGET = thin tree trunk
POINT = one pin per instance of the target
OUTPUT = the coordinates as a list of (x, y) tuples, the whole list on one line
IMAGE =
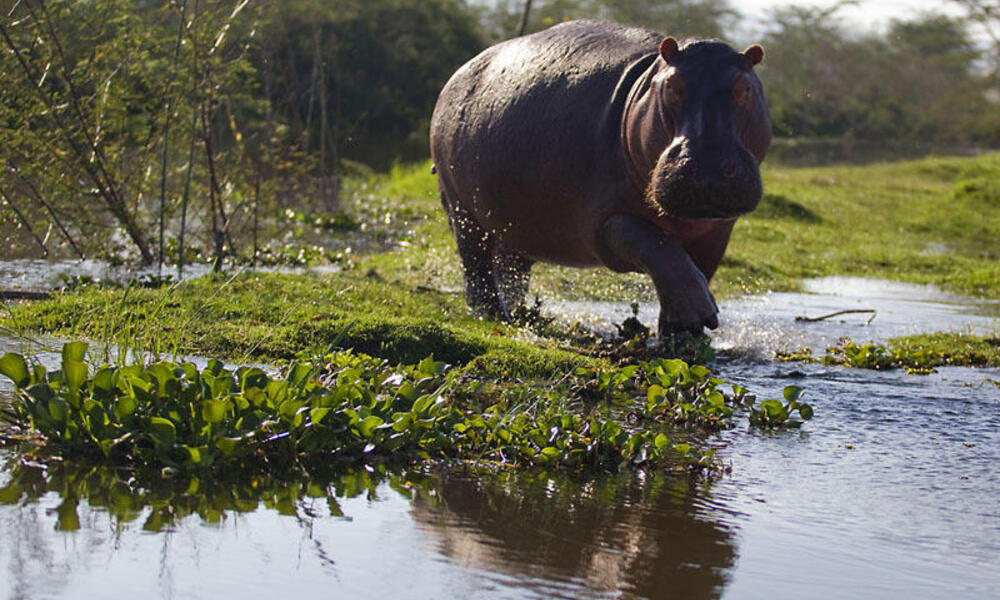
[(312, 91), (186, 196), (220, 223), (167, 112), (24, 221), (324, 191), (37, 195), (524, 18), (256, 220)]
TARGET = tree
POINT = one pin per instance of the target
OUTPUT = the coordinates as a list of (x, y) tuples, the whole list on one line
[(680, 18), (917, 84), (374, 66)]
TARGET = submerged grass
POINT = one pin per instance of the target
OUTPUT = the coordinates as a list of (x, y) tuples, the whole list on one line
[(919, 354)]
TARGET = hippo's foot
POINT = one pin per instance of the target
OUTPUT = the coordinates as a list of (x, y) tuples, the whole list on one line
[(686, 345), (513, 277), (486, 300), (633, 244)]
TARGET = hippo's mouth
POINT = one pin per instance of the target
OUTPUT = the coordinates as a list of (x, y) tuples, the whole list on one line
[(688, 189)]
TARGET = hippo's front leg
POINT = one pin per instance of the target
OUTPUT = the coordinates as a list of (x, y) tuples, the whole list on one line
[(630, 243)]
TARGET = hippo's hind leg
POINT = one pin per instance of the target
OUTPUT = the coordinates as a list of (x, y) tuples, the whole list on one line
[(476, 249), (513, 276)]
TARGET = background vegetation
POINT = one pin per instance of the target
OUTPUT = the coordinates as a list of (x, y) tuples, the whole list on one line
[(180, 130)]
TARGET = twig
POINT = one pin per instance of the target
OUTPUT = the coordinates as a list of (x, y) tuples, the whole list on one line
[(840, 312), (24, 295)]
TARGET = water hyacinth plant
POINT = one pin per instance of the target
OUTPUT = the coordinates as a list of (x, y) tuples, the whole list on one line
[(355, 408)]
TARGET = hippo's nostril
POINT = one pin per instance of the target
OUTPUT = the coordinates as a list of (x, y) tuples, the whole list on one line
[(675, 150), (729, 168)]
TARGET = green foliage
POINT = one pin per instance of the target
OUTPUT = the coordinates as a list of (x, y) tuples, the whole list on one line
[(774, 414), (353, 79), (355, 408), (683, 394), (903, 87)]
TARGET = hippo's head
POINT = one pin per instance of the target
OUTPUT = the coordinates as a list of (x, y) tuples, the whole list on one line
[(707, 119)]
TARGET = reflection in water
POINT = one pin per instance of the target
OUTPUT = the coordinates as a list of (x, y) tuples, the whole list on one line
[(650, 537), (526, 535)]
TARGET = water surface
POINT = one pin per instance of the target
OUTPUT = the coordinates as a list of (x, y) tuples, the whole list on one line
[(891, 491)]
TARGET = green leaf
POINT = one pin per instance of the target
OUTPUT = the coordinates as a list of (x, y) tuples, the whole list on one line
[(227, 445), (422, 403), (104, 380), (297, 374), (401, 421), (700, 372), (805, 411), (76, 351), (75, 373), (367, 425), (716, 399), (316, 414), (661, 441), (194, 454), (773, 408), (792, 393), (163, 431), (407, 391), (214, 411), (654, 394), (124, 407), (13, 366), (57, 409)]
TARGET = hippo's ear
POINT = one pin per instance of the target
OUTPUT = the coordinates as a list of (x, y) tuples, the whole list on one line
[(754, 54), (668, 47)]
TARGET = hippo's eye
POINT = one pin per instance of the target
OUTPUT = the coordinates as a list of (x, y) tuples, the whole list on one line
[(675, 91), (742, 91)]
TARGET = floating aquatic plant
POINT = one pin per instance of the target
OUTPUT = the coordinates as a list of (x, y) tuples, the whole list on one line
[(355, 408)]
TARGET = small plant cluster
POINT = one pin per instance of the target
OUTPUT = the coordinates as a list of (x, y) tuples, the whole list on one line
[(774, 414), (296, 254), (868, 356), (338, 221), (355, 408)]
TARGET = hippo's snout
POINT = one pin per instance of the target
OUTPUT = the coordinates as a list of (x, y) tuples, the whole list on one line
[(706, 183)]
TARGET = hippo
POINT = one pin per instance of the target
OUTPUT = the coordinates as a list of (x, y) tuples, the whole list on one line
[(592, 144)]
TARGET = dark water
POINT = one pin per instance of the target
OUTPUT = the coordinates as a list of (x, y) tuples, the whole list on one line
[(891, 491)]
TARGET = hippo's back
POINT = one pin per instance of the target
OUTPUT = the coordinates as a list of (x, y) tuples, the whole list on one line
[(527, 131)]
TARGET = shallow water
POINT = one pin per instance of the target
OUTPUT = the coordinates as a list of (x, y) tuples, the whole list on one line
[(41, 274), (891, 491), (756, 326)]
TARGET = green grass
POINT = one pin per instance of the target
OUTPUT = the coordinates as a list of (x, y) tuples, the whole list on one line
[(931, 221), (270, 317)]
